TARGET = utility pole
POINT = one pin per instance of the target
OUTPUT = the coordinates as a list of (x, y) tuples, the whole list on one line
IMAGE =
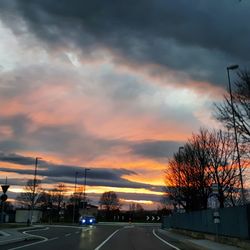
[(84, 189), (34, 190), (179, 177), (74, 205), (233, 67)]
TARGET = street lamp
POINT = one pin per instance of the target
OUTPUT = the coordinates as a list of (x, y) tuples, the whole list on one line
[(74, 208), (34, 189), (84, 191), (84, 188), (233, 67), (179, 176)]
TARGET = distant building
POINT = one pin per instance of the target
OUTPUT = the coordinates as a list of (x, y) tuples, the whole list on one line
[(22, 215)]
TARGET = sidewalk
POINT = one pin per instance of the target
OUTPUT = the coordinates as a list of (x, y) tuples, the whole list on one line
[(197, 244)]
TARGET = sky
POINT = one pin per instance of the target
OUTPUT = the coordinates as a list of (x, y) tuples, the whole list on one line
[(113, 86)]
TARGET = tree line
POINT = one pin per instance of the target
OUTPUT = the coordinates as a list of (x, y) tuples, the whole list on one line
[(58, 206), (206, 168)]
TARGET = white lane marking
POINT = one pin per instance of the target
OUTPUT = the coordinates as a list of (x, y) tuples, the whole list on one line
[(77, 232), (67, 235), (176, 248), (44, 239), (110, 236), (31, 244)]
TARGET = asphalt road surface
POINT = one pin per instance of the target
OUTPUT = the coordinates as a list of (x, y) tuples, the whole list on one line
[(98, 237)]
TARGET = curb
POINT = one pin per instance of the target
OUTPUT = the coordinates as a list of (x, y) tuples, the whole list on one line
[(185, 241)]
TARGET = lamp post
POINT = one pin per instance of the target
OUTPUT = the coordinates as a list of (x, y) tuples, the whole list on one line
[(34, 190), (74, 205), (84, 192), (233, 67), (179, 176), (84, 188)]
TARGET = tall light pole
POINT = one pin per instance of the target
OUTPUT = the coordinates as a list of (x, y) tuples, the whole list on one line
[(233, 67), (179, 176), (84, 188), (84, 192), (34, 190), (74, 205)]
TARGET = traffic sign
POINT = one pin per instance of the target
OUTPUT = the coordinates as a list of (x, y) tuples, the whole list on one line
[(153, 217), (216, 216), (215, 188), (5, 188), (4, 197)]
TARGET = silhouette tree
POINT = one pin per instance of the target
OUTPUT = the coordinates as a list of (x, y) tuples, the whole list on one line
[(241, 103), (207, 158), (26, 197), (110, 204), (109, 201)]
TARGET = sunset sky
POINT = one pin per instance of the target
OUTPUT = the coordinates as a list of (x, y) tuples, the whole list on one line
[(114, 86)]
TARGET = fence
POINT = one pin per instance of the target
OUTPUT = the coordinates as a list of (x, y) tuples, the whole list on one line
[(233, 221)]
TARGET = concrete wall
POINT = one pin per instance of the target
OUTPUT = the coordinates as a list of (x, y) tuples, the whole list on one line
[(22, 216), (234, 221)]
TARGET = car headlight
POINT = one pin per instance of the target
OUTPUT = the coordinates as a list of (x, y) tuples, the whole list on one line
[(91, 220), (83, 220)]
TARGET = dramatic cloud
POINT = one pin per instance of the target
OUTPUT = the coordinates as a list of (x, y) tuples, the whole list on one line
[(52, 173), (156, 149), (114, 86), (180, 35)]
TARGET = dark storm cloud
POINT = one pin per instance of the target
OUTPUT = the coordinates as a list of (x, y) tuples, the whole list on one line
[(19, 126), (16, 159), (53, 170), (53, 173), (18, 123), (156, 149), (131, 196), (198, 37), (13, 181), (63, 139)]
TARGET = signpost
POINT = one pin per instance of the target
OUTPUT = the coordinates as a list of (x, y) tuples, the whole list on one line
[(4, 197), (216, 214), (153, 217), (215, 188)]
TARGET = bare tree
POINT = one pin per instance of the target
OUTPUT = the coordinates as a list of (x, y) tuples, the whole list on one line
[(187, 179), (109, 201), (136, 207), (207, 158), (223, 167), (26, 197), (241, 103), (58, 195)]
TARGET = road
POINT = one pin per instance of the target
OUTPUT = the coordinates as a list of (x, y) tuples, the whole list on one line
[(98, 237)]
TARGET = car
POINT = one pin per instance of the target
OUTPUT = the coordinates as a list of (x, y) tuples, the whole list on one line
[(87, 220)]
